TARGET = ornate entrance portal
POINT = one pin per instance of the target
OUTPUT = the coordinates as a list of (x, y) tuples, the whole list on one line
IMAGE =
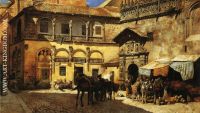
[(132, 51)]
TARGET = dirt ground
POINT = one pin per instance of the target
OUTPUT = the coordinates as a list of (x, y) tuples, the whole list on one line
[(52, 101)]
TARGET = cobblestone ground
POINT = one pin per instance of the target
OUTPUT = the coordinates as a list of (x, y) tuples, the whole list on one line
[(51, 101), (64, 102)]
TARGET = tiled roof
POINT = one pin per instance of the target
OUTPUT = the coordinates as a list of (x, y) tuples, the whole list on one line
[(82, 10)]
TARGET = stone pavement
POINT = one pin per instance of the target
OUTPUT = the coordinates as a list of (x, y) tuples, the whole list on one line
[(13, 104)]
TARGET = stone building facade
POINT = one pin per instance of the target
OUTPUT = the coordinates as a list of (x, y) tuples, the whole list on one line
[(171, 23), (171, 27), (51, 41)]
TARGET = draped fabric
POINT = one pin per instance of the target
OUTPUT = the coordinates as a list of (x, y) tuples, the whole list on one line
[(146, 72), (186, 69), (155, 68)]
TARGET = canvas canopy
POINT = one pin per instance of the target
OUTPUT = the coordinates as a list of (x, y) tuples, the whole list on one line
[(184, 64), (155, 68), (193, 38), (186, 69)]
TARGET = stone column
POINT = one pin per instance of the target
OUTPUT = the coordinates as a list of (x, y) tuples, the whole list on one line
[(70, 29), (87, 30), (53, 25)]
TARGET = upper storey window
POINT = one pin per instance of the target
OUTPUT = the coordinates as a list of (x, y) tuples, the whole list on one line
[(98, 29), (64, 28), (44, 26), (83, 29)]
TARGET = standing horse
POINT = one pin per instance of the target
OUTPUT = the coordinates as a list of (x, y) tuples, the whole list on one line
[(158, 88), (83, 85)]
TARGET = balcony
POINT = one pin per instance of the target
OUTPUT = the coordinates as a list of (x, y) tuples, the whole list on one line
[(133, 11)]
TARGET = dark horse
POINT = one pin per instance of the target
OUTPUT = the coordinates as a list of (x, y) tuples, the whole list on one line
[(158, 88), (83, 85)]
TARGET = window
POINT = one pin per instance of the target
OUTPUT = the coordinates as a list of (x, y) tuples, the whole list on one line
[(65, 28), (44, 25), (83, 29), (98, 30), (45, 74), (62, 71)]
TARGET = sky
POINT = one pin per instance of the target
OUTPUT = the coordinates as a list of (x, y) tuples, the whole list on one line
[(91, 3), (4, 2), (94, 3)]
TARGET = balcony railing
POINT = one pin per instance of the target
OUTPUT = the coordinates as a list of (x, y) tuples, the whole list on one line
[(96, 61), (148, 9), (79, 60), (66, 37), (79, 38), (45, 36), (95, 39), (61, 59), (62, 37)]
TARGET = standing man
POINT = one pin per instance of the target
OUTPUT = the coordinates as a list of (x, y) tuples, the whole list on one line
[(112, 76)]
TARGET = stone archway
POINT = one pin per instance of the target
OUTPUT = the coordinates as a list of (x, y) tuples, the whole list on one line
[(133, 72), (44, 59)]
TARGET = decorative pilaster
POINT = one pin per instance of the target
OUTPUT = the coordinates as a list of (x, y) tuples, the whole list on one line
[(88, 57), (70, 53), (53, 49), (103, 30)]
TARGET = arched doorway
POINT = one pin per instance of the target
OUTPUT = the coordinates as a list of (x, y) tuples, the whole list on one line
[(132, 73), (44, 57)]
